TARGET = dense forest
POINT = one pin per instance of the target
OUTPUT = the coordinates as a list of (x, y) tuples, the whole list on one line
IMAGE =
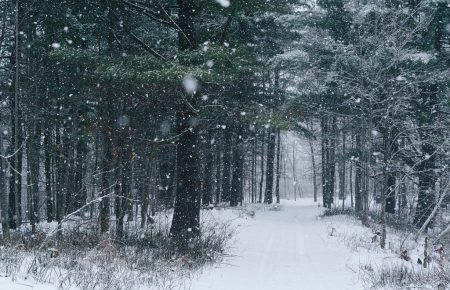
[(113, 112)]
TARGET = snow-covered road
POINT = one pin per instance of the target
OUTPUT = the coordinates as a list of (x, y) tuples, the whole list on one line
[(290, 249)]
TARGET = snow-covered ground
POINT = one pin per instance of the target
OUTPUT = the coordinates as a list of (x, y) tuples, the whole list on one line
[(285, 247), (291, 247)]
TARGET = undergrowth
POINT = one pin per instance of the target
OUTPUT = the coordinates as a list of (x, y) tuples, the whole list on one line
[(83, 258)]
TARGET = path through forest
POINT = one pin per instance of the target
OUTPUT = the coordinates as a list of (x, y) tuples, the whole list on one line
[(286, 249)]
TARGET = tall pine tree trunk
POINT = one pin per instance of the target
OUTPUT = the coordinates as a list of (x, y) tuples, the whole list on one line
[(226, 170), (186, 216), (261, 181), (428, 110), (218, 165), (268, 196), (208, 177), (238, 168), (49, 198), (342, 171), (314, 168), (33, 165), (328, 125), (358, 176), (253, 169), (278, 170), (15, 195), (3, 193), (105, 180)]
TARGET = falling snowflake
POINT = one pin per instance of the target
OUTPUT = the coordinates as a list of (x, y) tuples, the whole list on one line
[(193, 121), (190, 84), (224, 3), (165, 128), (123, 121)]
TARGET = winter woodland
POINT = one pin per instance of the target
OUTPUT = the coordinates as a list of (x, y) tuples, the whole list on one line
[(224, 144)]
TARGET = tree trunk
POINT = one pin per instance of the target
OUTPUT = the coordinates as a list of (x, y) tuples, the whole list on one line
[(48, 174), (358, 176), (253, 173), (59, 170), (387, 187), (427, 112), (238, 168), (391, 180), (261, 181), (342, 172), (314, 168), (277, 185), (123, 198), (105, 177), (366, 149), (218, 165), (427, 183), (3, 193), (33, 165), (15, 195), (80, 193), (268, 196), (145, 188), (208, 177), (186, 216), (328, 159), (226, 171)]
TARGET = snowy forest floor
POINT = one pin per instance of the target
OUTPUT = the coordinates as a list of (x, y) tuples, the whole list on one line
[(290, 246)]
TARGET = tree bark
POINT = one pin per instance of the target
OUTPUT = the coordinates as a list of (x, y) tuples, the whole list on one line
[(105, 177), (218, 166), (33, 165), (238, 168), (15, 195), (268, 196), (261, 181), (358, 176), (226, 171), (186, 216), (208, 177), (278, 170), (48, 174), (342, 171), (3, 193), (328, 125), (314, 169)]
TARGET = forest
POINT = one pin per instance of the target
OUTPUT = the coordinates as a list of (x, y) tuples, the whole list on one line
[(141, 139)]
